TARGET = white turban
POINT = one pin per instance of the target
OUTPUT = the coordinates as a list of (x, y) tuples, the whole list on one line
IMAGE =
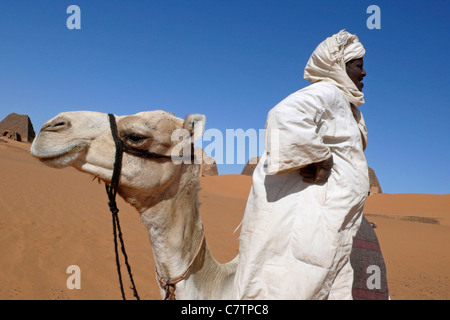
[(327, 63), (354, 50)]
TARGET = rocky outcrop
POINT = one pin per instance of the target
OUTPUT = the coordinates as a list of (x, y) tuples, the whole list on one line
[(250, 166), (17, 127), (375, 187), (208, 167)]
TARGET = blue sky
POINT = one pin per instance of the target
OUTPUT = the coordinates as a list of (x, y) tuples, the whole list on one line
[(233, 61)]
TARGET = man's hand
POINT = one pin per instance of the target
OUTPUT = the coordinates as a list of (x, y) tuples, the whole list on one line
[(317, 172)]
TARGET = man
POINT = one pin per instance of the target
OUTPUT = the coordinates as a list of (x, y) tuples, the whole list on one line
[(310, 185)]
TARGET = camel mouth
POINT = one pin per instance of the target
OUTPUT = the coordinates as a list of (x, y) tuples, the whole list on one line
[(58, 157), (54, 154)]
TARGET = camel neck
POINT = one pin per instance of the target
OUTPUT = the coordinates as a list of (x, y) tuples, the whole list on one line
[(175, 228), (174, 238)]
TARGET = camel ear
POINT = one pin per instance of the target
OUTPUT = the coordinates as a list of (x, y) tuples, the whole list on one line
[(195, 124)]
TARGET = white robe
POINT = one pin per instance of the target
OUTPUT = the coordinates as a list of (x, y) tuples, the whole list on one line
[(296, 237)]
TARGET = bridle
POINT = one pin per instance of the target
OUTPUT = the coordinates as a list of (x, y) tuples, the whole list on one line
[(111, 190)]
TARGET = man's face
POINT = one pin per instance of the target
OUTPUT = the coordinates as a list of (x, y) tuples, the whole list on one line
[(356, 72)]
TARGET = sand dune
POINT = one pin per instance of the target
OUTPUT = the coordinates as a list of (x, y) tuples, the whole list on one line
[(51, 219), (414, 234)]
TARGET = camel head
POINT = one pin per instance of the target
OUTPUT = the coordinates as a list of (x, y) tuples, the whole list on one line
[(84, 140)]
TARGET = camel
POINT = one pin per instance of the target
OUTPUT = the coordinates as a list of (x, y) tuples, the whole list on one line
[(164, 192)]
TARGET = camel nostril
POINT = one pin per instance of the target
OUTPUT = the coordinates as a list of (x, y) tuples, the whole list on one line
[(59, 124), (56, 125)]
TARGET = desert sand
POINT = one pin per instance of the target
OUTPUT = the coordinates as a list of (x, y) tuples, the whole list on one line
[(52, 219)]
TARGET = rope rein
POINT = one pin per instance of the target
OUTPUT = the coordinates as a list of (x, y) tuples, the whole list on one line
[(112, 192)]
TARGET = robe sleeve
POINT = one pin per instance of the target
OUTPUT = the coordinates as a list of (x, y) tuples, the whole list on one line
[(291, 137)]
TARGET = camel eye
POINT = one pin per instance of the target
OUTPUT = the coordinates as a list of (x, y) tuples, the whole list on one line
[(135, 139)]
